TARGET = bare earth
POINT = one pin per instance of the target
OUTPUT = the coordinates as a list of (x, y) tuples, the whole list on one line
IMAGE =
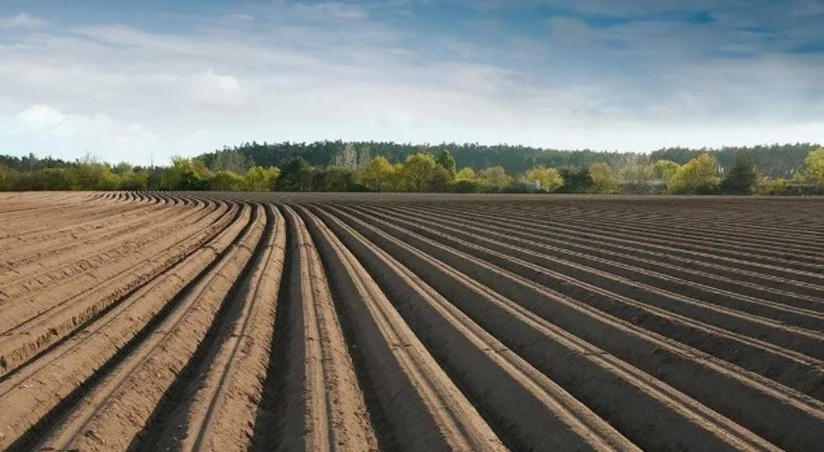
[(220, 321)]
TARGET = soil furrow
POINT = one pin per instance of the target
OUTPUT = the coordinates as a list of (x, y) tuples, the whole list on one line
[(323, 406), (739, 239), (632, 247), (755, 297), (138, 383), (53, 266), (101, 233), (65, 371), (38, 326), (793, 369), (757, 326), (673, 361), (220, 413), (706, 253), (366, 321), (660, 417), (533, 412), (425, 409)]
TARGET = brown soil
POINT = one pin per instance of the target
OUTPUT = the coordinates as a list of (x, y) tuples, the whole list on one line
[(237, 321)]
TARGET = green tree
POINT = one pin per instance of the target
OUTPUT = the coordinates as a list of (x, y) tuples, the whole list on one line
[(226, 180), (495, 178), (698, 176), (418, 171), (230, 160), (603, 179), (55, 179), (741, 178), (377, 175), (185, 174), (466, 173), (296, 175), (548, 178), (771, 187), (814, 168), (441, 180), (447, 162), (664, 169), (334, 178), (134, 180), (635, 174), (576, 180), (396, 179), (4, 178), (121, 168), (262, 179), (466, 186), (93, 175)]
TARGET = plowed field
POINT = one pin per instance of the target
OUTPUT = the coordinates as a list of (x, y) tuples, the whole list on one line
[(409, 322)]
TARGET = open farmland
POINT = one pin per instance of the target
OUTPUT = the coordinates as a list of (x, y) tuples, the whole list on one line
[(218, 321)]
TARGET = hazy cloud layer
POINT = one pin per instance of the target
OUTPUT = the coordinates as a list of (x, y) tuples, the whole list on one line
[(630, 75)]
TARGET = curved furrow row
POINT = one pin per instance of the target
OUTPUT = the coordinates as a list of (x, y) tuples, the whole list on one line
[(33, 323), (24, 235), (807, 254), (714, 287), (76, 238), (757, 353), (45, 387), (658, 285), (218, 411), (659, 418), (11, 202), (18, 203), (676, 226), (41, 269), (528, 409), (75, 212), (763, 217), (138, 383), (804, 282), (681, 366), (754, 257), (424, 408)]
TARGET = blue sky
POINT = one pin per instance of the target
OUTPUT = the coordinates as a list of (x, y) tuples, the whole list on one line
[(127, 80)]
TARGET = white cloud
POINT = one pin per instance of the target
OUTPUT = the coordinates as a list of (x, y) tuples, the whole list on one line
[(209, 88), (73, 134), (37, 118), (22, 20), (48, 120)]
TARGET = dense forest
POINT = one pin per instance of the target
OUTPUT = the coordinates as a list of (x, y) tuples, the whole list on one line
[(777, 160)]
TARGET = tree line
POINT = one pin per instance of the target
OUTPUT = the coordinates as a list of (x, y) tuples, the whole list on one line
[(777, 160), (353, 170)]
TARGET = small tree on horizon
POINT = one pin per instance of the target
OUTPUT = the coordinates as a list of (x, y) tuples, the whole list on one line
[(603, 179), (698, 176), (418, 171), (447, 162), (549, 178), (377, 175), (741, 178)]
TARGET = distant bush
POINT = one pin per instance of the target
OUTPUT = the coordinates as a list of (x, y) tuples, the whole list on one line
[(771, 187), (465, 186)]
